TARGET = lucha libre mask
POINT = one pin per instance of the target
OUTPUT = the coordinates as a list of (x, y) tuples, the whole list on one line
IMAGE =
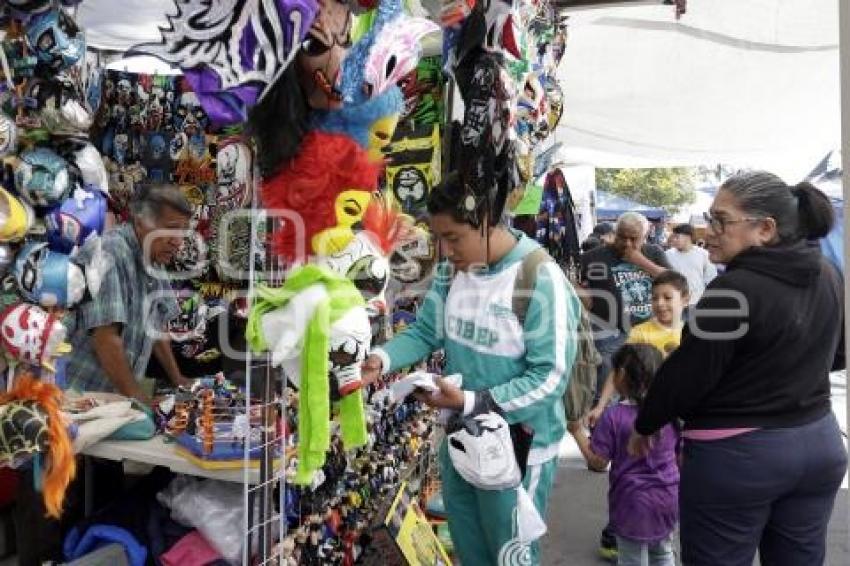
[(23, 432), (321, 55), (16, 217), (349, 343), (41, 177), (56, 40), (30, 335), (48, 278), (80, 217), (8, 135)]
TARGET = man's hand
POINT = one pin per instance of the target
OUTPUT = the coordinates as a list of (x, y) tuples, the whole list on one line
[(634, 255), (370, 371), (448, 397), (182, 381)]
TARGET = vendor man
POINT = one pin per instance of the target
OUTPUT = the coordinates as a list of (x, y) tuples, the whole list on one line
[(116, 332)]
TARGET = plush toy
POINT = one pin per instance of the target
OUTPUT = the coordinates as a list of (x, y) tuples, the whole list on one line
[(316, 326), (31, 424), (320, 194)]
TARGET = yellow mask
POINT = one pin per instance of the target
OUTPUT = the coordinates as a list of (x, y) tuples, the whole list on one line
[(16, 218), (380, 134), (349, 206)]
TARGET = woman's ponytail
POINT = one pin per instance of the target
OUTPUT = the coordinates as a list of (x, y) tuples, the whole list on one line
[(816, 215)]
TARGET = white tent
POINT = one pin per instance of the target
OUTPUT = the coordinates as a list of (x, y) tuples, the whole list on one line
[(747, 82), (752, 83)]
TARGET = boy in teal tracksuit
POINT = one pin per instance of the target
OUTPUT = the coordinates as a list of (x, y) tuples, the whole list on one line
[(522, 369)]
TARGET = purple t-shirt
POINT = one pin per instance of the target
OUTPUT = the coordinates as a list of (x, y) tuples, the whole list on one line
[(643, 493)]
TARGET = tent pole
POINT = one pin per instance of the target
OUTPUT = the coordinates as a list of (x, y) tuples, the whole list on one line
[(844, 56)]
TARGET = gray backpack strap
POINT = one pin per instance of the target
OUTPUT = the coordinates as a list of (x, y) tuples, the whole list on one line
[(526, 279)]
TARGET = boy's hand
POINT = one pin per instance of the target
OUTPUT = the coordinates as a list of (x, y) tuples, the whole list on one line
[(370, 370), (448, 397), (573, 427)]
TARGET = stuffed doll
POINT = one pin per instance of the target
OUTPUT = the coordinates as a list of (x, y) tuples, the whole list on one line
[(316, 326)]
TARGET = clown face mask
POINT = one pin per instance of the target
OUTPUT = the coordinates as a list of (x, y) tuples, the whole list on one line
[(321, 55), (350, 207)]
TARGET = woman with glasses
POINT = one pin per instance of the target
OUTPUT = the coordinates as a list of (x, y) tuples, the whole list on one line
[(763, 456)]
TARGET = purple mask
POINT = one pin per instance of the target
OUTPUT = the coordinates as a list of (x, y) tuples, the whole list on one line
[(226, 51)]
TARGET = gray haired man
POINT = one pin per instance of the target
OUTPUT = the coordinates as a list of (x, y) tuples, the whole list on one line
[(115, 334)]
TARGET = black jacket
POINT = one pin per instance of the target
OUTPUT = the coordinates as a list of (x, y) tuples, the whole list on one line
[(782, 334)]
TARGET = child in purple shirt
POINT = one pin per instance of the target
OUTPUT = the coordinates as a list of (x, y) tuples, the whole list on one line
[(643, 492)]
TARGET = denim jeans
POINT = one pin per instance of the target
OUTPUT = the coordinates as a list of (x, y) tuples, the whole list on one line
[(635, 553)]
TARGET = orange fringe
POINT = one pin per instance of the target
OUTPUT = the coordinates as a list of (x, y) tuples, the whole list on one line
[(384, 220), (61, 466)]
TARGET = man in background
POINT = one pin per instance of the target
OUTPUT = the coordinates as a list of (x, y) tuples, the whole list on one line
[(691, 261)]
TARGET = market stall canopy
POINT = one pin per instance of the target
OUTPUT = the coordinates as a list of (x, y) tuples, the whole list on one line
[(752, 83), (609, 207)]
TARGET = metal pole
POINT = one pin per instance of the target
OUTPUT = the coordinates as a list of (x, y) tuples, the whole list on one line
[(844, 56)]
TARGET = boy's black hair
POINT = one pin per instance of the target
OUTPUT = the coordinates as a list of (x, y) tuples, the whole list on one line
[(448, 197), (674, 279), (685, 229), (638, 362)]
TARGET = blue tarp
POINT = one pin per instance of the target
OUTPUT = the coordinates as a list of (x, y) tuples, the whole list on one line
[(609, 207)]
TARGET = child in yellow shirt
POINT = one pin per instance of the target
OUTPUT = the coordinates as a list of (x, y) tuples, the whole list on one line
[(663, 330)]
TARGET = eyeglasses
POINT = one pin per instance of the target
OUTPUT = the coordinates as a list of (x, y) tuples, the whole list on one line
[(718, 225)]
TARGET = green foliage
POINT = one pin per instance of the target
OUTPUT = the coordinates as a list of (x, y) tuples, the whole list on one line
[(669, 188)]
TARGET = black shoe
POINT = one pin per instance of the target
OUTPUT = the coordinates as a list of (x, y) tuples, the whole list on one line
[(608, 545)]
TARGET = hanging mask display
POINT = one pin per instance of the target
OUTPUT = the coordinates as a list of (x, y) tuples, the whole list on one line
[(30, 335), (47, 277), (328, 185), (41, 177), (31, 425), (232, 57), (396, 52), (8, 135), (91, 167), (7, 256), (321, 55), (56, 40), (414, 256), (414, 168), (80, 217), (16, 217)]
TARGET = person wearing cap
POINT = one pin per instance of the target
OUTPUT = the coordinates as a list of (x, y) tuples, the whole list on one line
[(691, 261)]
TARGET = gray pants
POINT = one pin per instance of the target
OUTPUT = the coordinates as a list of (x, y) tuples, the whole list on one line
[(770, 489), (635, 553)]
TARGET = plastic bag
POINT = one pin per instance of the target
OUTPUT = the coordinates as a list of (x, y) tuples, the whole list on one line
[(213, 507)]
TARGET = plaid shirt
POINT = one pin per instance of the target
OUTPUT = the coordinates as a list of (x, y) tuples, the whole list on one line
[(128, 296)]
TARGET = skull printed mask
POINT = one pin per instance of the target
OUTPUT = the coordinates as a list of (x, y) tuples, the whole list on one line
[(29, 335)]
